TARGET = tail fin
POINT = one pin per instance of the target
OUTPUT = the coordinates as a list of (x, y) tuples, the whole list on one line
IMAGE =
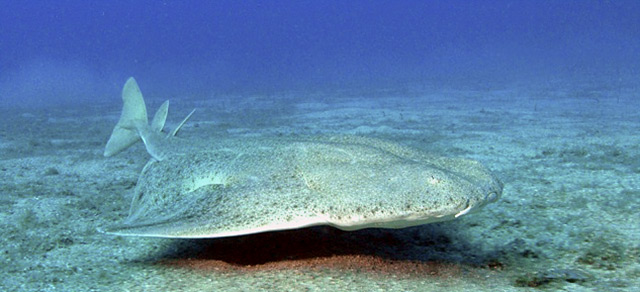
[(133, 120)]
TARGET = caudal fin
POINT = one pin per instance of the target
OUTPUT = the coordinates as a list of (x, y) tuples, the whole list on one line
[(133, 119)]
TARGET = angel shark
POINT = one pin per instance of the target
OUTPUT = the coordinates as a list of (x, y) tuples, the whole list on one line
[(229, 186)]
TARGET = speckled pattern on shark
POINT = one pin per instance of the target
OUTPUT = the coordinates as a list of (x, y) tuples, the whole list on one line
[(234, 186)]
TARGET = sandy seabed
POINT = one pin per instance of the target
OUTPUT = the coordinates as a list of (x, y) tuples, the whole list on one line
[(568, 219)]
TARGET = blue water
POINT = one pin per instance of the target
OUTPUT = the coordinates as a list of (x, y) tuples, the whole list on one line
[(58, 52)]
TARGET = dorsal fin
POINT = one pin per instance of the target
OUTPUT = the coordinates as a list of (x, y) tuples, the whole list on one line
[(160, 117)]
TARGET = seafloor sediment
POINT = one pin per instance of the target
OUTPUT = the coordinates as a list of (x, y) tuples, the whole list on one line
[(568, 218)]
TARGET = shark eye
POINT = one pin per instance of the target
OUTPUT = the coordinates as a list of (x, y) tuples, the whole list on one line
[(491, 197)]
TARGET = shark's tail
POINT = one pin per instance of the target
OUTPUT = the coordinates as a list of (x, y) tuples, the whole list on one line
[(133, 123)]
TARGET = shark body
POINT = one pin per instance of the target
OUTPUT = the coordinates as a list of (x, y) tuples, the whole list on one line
[(229, 186)]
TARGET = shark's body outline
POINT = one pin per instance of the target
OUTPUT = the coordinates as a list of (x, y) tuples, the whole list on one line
[(222, 190)]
